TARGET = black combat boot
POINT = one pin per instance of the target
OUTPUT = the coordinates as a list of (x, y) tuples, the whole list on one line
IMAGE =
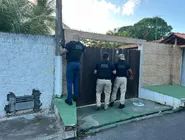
[(121, 106), (98, 108), (74, 99), (68, 102), (111, 104)]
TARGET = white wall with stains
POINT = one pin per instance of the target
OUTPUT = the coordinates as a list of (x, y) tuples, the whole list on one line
[(26, 62)]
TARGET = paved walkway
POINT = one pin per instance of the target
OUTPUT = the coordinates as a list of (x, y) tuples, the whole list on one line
[(31, 128), (89, 118), (67, 113), (166, 127)]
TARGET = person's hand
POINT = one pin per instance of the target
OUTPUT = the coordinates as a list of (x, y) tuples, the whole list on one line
[(63, 51), (95, 72), (131, 77)]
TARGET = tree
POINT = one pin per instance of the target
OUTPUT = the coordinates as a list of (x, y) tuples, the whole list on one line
[(11, 14), (151, 28), (22, 16), (43, 15), (147, 28), (110, 32)]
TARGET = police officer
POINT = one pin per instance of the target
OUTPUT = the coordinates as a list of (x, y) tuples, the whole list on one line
[(104, 71), (73, 51), (121, 80)]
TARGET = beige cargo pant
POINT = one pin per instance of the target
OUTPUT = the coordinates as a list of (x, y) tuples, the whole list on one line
[(120, 82), (103, 85)]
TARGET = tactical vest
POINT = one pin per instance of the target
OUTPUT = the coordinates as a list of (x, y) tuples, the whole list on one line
[(121, 69), (75, 52), (121, 66), (104, 71)]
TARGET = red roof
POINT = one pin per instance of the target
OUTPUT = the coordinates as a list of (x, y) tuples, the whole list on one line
[(180, 35), (129, 46), (171, 39)]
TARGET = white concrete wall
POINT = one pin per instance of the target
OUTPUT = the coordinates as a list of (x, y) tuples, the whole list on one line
[(26, 62), (160, 98)]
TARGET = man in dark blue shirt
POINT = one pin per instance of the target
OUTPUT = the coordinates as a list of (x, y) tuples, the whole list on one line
[(73, 51), (122, 69), (104, 71)]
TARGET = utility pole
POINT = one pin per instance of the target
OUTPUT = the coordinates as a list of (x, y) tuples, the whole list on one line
[(156, 29), (59, 30), (59, 36), (157, 25)]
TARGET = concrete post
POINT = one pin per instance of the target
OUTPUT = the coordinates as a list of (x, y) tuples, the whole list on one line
[(173, 62), (140, 47), (58, 58)]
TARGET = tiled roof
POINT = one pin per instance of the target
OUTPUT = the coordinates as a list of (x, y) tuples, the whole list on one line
[(129, 46), (171, 39), (180, 35)]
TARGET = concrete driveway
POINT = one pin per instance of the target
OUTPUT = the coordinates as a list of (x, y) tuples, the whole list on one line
[(31, 128)]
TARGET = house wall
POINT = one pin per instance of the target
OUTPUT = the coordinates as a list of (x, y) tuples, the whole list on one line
[(27, 62), (161, 64)]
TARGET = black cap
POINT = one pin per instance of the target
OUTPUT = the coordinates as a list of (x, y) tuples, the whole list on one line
[(106, 55)]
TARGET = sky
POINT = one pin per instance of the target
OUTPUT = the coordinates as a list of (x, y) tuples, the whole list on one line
[(99, 16)]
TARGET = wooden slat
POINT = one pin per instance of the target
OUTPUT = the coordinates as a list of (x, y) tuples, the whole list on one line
[(94, 36), (88, 79), (180, 41), (167, 40)]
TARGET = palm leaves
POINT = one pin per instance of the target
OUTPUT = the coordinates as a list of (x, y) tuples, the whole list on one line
[(22, 16)]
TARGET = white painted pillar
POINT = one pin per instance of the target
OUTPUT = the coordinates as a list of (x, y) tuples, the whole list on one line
[(173, 62), (58, 76), (140, 47)]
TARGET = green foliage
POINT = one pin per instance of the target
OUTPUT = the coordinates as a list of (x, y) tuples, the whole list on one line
[(102, 44), (22, 16), (147, 28)]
